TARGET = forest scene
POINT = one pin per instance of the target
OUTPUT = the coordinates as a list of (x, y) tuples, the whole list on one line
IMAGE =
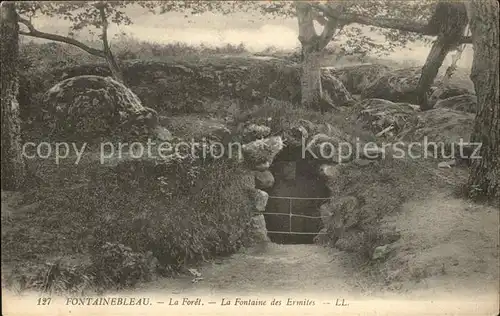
[(251, 146)]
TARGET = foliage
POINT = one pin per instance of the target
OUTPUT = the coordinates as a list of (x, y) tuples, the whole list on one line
[(353, 36), (85, 15), (81, 14), (131, 221), (116, 264)]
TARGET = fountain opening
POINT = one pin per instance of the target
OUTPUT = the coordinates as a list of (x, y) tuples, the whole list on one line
[(298, 190)]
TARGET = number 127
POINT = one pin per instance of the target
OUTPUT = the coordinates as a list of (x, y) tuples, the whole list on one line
[(44, 301)]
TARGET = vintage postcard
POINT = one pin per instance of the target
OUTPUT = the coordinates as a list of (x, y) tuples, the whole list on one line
[(256, 157)]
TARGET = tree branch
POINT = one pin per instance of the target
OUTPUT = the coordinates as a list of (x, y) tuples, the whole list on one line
[(319, 18), (104, 20), (331, 24), (58, 38), (389, 23), (328, 32), (328, 10)]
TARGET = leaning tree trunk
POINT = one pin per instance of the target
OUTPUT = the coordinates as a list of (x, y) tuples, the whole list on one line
[(440, 49), (13, 166), (485, 172), (449, 22)]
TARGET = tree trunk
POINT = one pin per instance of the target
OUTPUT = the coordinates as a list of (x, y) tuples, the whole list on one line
[(311, 81), (448, 22), (440, 48), (110, 58), (114, 68), (311, 72), (485, 172), (312, 47), (13, 165)]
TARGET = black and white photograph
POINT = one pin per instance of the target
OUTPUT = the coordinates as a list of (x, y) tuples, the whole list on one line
[(262, 157)]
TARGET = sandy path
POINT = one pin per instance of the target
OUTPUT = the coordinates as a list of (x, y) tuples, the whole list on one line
[(277, 268), (305, 279)]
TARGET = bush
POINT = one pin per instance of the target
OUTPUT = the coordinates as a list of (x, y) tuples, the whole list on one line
[(149, 205), (59, 276), (116, 264), (135, 219)]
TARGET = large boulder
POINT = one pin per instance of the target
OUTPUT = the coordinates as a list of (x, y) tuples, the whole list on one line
[(357, 77), (445, 91), (400, 86), (378, 115), (362, 196), (396, 86), (92, 107), (466, 103), (263, 179)]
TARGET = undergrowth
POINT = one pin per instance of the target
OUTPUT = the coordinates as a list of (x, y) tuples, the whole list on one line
[(126, 223)]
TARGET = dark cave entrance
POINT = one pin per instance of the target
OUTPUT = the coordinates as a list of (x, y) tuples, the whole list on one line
[(298, 178)]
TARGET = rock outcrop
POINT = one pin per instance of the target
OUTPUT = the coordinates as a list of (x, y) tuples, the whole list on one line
[(445, 91), (181, 85), (396, 86), (400, 86)]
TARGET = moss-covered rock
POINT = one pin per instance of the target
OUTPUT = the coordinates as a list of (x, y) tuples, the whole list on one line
[(262, 151), (400, 86), (445, 91), (396, 86), (91, 107)]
